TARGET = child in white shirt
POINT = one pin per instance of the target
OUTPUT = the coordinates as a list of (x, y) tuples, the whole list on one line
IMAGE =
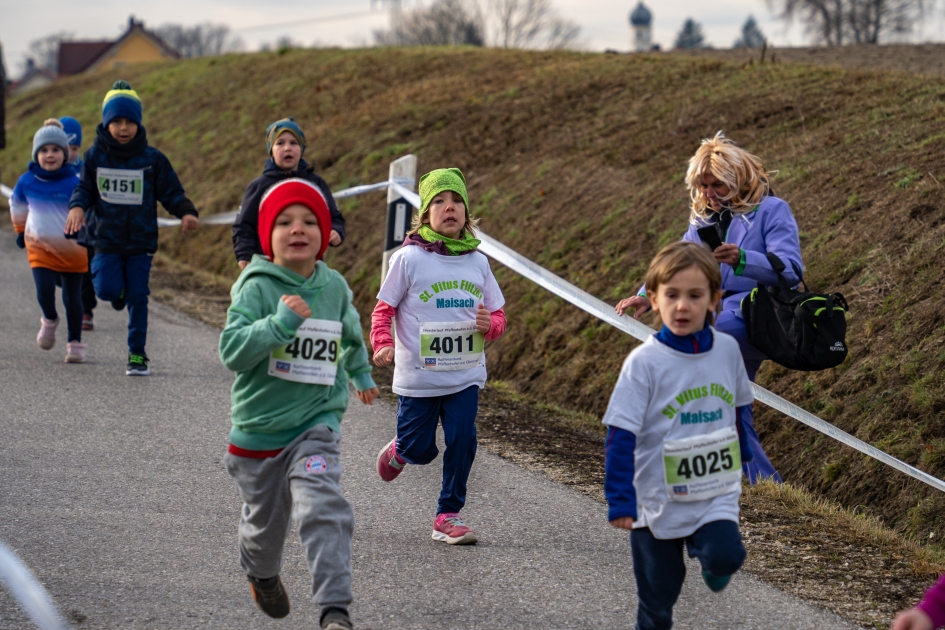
[(675, 445)]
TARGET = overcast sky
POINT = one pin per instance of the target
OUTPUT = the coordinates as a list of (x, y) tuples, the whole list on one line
[(604, 23)]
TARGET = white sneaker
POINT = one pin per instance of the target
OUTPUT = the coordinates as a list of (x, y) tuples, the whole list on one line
[(75, 352), (46, 338)]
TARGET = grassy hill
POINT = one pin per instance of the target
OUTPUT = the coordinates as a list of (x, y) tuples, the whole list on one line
[(577, 161)]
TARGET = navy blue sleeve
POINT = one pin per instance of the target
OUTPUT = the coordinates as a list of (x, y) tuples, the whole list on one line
[(85, 195), (245, 226), (337, 220), (743, 446), (618, 474), (169, 191)]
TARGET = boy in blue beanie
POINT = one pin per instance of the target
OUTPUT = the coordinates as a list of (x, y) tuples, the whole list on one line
[(121, 182), (285, 143), (73, 129)]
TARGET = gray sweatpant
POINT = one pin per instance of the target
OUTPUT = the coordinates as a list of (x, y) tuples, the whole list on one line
[(304, 482)]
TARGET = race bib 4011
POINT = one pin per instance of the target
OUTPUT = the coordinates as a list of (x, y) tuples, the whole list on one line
[(121, 186), (703, 466), (446, 346), (312, 357)]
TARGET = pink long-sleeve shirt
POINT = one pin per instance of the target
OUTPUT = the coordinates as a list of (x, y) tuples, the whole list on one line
[(933, 604), (384, 313)]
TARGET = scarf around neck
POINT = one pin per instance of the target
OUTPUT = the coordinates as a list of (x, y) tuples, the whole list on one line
[(453, 245)]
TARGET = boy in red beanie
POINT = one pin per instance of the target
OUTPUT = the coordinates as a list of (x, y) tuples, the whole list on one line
[(294, 340)]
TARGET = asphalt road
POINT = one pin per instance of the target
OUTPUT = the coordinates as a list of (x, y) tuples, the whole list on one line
[(112, 490)]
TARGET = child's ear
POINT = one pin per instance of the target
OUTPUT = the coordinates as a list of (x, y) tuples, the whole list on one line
[(716, 302)]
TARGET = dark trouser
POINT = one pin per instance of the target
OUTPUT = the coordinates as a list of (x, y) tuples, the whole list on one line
[(730, 322), (416, 439), (660, 570), (88, 289), (116, 276), (46, 281)]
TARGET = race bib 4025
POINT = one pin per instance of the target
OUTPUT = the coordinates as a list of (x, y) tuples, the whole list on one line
[(446, 346), (121, 186), (312, 357), (703, 466)]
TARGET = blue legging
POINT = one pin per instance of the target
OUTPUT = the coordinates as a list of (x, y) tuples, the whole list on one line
[(46, 280), (731, 322)]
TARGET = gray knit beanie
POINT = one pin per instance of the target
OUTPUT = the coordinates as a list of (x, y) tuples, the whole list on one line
[(51, 133)]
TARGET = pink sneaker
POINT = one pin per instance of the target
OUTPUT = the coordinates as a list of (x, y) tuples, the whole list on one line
[(87, 323), (46, 338), (75, 352), (450, 528), (389, 463)]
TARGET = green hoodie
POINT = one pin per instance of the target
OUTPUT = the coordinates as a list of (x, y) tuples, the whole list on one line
[(269, 412)]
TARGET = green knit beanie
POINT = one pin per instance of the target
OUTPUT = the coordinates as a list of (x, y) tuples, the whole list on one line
[(441, 180)]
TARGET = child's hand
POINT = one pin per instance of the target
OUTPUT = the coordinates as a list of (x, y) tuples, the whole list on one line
[(913, 619), (242, 264), (189, 223), (334, 239), (384, 356), (298, 305), (624, 522), (728, 253), (639, 302), (75, 221), (368, 395), (483, 320)]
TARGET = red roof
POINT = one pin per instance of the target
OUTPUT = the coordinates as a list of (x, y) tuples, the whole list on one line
[(74, 57)]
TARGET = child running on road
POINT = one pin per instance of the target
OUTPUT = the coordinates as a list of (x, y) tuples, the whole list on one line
[(122, 180), (285, 143), (294, 339), (39, 208), (928, 615), (446, 302), (675, 446), (73, 129)]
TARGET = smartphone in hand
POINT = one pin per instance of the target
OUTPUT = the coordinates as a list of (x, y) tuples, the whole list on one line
[(710, 236)]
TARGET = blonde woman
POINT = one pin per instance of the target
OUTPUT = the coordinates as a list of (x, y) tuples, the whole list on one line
[(733, 211)]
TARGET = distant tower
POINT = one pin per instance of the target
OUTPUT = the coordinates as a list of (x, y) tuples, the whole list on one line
[(641, 21)]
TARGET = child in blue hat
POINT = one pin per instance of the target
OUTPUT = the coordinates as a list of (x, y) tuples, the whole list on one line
[(73, 129), (121, 182)]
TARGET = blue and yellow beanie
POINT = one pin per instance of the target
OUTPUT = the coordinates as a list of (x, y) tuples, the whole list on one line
[(121, 102), (441, 180), (274, 130)]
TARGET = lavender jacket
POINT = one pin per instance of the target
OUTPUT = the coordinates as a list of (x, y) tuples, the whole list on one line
[(770, 227)]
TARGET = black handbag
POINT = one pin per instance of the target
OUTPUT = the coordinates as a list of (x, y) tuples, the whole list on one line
[(798, 329)]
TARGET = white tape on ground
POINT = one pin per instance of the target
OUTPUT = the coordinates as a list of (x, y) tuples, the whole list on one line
[(28, 591)]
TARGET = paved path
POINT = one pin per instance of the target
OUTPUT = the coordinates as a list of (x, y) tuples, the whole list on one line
[(112, 490)]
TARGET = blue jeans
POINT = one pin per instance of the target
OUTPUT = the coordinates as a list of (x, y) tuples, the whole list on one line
[(416, 439), (116, 276), (46, 281), (659, 568), (731, 322)]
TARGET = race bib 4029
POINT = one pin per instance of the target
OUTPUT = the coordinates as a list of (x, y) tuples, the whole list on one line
[(446, 346), (121, 186), (703, 466), (312, 357)]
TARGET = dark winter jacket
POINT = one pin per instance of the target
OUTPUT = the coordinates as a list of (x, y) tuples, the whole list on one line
[(245, 230), (126, 228)]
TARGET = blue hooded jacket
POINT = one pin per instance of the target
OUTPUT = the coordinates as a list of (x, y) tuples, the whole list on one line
[(127, 228)]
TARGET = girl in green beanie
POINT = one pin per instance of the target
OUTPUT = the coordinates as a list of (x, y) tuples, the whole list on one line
[(446, 303)]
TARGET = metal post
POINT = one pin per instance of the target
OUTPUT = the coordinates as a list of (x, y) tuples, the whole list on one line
[(399, 211)]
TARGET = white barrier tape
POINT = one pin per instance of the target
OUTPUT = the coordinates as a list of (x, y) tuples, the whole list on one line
[(6, 192), (600, 309), (28, 591)]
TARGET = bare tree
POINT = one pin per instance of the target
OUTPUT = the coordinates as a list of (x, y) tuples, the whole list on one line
[(838, 22), (532, 24), (200, 40), (45, 51), (444, 23)]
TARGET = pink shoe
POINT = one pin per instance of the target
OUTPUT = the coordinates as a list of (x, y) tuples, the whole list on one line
[(389, 463), (87, 323), (75, 352), (46, 338), (450, 528)]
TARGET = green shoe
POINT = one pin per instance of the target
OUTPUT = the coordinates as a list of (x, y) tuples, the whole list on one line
[(715, 584), (137, 365)]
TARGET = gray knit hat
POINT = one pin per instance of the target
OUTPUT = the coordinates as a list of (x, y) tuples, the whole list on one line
[(51, 133)]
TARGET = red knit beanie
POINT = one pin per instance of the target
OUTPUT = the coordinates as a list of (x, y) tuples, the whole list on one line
[(283, 195)]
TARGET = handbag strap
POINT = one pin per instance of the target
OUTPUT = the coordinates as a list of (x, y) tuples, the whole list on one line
[(778, 265)]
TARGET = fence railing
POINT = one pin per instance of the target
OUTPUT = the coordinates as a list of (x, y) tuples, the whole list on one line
[(605, 312)]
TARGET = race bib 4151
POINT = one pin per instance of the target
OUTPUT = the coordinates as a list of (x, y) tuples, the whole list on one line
[(703, 466), (121, 186)]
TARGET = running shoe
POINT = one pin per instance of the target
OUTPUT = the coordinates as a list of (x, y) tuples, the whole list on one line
[(335, 619), (137, 365), (714, 583), (75, 352), (389, 463), (270, 596), (450, 528), (119, 303), (87, 323), (46, 337)]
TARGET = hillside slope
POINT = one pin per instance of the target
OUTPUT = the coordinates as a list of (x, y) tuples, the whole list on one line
[(577, 161)]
